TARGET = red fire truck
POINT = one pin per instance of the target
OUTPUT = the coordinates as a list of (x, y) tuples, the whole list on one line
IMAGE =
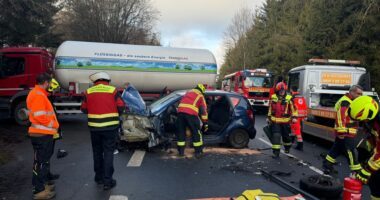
[(256, 85)]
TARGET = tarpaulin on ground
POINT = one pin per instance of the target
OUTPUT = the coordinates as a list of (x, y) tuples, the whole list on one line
[(134, 101)]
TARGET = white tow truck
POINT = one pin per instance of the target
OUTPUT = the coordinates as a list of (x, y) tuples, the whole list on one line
[(323, 82)]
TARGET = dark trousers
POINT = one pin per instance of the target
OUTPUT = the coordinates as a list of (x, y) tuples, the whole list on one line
[(42, 152), (50, 155), (193, 123), (281, 131), (103, 147), (374, 184), (345, 146)]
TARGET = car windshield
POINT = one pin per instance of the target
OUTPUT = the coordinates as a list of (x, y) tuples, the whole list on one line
[(160, 103), (257, 81)]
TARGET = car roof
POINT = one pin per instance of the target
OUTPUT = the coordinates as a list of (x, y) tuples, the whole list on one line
[(215, 92)]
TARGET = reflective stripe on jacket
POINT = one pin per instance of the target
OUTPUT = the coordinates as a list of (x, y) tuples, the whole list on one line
[(374, 162), (281, 110), (102, 104), (41, 113), (344, 125), (193, 103)]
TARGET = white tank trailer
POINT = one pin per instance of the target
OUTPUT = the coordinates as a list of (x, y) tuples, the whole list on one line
[(149, 68)]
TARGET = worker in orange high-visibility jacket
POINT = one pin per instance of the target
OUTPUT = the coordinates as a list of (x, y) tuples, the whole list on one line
[(280, 114), (44, 125), (191, 106), (300, 106), (345, 133), (103, 105)]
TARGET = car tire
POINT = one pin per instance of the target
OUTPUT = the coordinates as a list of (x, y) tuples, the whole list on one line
[(238, 138), (19, 113), (322, 186)]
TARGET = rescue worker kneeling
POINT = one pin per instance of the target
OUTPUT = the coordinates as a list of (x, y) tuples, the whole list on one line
[(366, 109), (280, 114), (191, 106)]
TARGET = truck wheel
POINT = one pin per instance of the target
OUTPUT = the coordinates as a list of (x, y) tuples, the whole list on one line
[(238, 138), (322, 186), (20, 114)]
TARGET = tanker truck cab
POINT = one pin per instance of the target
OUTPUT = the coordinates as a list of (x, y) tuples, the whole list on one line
[(323, 82), (18, 70)]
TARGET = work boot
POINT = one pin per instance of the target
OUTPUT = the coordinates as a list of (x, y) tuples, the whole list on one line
[(299, 146), (198, 155), (52, 177), (45, 194), (181, 151), (50, 187), (328, 168), (198, 152), (276, 153), (287, 149), (110, 186)]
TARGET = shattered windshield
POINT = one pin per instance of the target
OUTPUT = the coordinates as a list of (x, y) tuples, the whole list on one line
[(160, 103)]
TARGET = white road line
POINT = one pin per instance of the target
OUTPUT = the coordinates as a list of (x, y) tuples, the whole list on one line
[(291, 155), (118, 197), (136, 159)]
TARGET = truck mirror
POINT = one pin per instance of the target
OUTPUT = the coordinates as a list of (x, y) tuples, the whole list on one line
[(365, 82)]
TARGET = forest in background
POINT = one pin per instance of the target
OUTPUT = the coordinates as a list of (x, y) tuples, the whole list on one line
[(283, 34)]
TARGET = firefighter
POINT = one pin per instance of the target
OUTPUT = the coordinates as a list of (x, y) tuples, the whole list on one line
[(54, 85), (299, 103), (191, 106), (345, 131), (44, 125), (366, 109), (280, 114), (103, 105)]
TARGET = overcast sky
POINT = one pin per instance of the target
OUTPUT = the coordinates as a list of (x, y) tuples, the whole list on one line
[(198, 23)]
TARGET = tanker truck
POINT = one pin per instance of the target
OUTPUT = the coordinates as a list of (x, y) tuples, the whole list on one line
[(151, 69)]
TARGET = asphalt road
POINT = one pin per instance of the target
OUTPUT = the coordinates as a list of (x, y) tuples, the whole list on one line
[(161, 174)]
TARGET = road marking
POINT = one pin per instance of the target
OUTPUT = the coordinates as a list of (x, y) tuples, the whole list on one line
[(318, 171), (136, 159), (118, 197)]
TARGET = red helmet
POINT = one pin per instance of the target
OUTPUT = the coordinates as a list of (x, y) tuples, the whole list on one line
[(281, 86)]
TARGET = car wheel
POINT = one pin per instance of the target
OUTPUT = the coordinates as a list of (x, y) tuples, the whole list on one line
[(322, 186), (20, 114), (238, 138)]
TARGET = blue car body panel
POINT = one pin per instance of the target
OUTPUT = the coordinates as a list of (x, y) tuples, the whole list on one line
[(238, 118)]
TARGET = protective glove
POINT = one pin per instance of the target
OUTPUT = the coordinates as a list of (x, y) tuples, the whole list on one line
[(363, 175), (205, 127), (294, 120)]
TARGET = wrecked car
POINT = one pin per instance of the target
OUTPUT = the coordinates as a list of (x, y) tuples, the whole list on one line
[(231, 119)]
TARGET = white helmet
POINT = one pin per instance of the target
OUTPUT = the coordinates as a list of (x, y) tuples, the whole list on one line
[(100, 76)]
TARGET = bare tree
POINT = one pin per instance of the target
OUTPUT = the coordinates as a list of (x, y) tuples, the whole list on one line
[(240, 24), (236, 31), (116, 21)]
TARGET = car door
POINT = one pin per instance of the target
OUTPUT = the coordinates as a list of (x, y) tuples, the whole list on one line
[(220, 112)]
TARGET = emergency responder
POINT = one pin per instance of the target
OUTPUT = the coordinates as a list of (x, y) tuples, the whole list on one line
[(345, 131), (366, 109), (299, 103), (280, 114), (54, 85), (103, 105), (191, 106), (43, 126)]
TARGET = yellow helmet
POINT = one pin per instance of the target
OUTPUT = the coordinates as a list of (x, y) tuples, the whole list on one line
[(201, 88), (363, 108), (53, 85)]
